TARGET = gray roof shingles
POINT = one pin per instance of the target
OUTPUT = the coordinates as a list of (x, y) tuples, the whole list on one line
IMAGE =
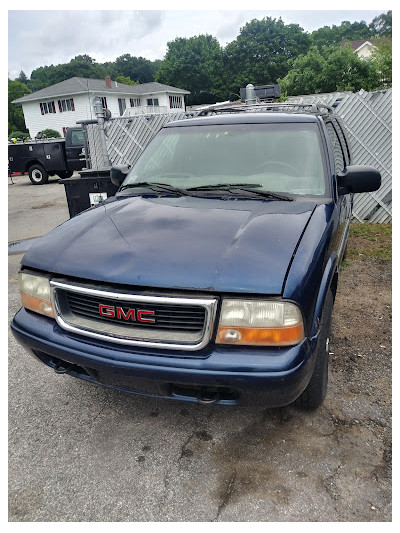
[(81, 85)]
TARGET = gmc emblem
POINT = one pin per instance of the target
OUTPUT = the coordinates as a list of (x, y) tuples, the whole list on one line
[(139, 315)]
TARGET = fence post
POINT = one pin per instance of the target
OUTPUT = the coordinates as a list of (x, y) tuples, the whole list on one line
[(101, 115)]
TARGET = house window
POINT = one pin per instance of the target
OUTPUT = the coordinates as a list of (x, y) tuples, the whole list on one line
[(121, 105), (66, 105), (152, 101), (175, 102), (134, 102), (47, 107), (64, 132), (104, 102)]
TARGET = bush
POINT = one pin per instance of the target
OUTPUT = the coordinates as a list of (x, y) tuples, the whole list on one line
[(49, 134), (18, 135)]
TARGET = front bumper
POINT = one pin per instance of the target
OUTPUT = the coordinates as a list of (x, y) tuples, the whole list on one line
[(217, 374)]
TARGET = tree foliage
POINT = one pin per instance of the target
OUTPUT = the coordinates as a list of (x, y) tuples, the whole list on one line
[(195, 64), (381, 26), (382, 56), (16, 121), (347, 31), (50, 134), (136, 68), (329, 69), (262, 51)]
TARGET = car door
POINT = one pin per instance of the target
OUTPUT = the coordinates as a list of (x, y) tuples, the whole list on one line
[(74, 144), (341, 153)]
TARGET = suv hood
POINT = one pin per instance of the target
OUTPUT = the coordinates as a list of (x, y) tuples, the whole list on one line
[(230, 245)]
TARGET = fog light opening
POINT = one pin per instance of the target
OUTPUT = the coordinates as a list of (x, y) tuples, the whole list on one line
[(230, 335)]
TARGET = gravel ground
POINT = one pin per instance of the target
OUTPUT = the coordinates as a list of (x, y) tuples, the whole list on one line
[(83, 453)]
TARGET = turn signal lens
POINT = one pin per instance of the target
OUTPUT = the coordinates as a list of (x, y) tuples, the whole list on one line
[(35, 294), (260, 323)]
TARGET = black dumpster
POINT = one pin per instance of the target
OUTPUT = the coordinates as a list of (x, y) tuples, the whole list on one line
[(90, 188)]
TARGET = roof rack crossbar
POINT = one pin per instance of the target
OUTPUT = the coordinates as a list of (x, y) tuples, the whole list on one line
[(294, 107)]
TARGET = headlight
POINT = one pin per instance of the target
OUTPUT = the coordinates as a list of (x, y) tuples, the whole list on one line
[(260, 323), (35, 293)]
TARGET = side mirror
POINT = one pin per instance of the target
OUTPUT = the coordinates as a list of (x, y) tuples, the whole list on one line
[(119, 173), (358, 178)]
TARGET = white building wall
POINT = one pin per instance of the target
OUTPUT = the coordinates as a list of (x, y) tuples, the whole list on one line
[(83, 104)]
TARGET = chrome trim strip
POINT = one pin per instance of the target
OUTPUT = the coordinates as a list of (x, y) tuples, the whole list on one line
[(210, 305)]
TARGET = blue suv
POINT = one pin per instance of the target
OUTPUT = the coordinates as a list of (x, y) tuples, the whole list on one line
[(211, 275)]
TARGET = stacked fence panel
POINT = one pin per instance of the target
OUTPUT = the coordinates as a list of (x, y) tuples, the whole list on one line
[(367, 119), (126, 137)]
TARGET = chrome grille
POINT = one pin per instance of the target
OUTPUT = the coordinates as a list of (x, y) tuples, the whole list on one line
[(190, 318), (135, 319)]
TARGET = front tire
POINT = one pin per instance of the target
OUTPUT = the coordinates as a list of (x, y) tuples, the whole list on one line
[(64, 174), (315, 392), (38, 175)]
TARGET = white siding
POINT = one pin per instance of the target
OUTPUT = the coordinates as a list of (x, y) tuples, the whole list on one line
[(83, 103)]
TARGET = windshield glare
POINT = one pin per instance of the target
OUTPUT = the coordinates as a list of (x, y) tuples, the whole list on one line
[(283, 158)]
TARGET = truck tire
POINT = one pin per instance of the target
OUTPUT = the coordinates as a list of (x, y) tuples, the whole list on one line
[(63, 174), (315, 392), (38, 175)]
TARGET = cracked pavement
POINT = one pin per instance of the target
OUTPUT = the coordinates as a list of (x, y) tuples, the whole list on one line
[(84, 453)]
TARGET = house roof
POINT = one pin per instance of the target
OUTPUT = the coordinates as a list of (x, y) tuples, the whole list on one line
[(83, 85), (356, 44), (359, 43)]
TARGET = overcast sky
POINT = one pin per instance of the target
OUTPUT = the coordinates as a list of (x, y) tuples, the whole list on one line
[(45, 37)]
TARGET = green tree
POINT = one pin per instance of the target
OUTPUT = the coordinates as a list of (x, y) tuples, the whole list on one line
[(82, 66), (382, 57), (327, 70), (261, 52), (194, 64), (125, 80), (50, 134), (22, 78), (135, 68), (347, 31), (381, 26), (16, 119)]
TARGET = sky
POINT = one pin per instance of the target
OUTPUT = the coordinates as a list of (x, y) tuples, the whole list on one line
[(46, 36)]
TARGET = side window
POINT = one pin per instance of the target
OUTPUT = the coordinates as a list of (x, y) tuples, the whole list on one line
[(77, 137), (336, 147), (344, 141)]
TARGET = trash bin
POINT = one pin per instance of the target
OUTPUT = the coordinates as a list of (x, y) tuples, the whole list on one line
[(90, 188)]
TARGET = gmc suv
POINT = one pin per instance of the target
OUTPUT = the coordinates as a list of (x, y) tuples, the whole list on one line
[(211, 275)]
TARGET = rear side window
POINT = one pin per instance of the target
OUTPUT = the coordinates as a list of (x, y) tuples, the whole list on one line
[(338, 155), (77, 137)]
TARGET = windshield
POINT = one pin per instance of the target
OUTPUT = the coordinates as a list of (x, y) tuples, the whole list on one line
[(276, 157)]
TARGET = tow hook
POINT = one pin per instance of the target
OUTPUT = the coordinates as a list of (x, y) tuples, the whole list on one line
[(62, 368), (207, 397)]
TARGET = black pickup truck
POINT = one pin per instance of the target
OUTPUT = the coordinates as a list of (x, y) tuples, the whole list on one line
[(42, 158)]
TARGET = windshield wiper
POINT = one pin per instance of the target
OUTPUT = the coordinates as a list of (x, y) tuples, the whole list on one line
[(246, 187), (223, 186), (155, 186)]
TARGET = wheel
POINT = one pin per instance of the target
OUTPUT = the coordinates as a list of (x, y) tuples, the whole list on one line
[(63, 174), (38, 175), (315, 392)]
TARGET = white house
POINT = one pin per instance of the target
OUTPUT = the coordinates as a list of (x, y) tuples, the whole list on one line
[(61, 105), (362, 47)]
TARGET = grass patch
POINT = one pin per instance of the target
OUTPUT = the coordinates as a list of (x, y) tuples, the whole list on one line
[(369, 241)]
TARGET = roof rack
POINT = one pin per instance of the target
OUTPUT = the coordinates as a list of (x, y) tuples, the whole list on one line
[(278, 107)]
